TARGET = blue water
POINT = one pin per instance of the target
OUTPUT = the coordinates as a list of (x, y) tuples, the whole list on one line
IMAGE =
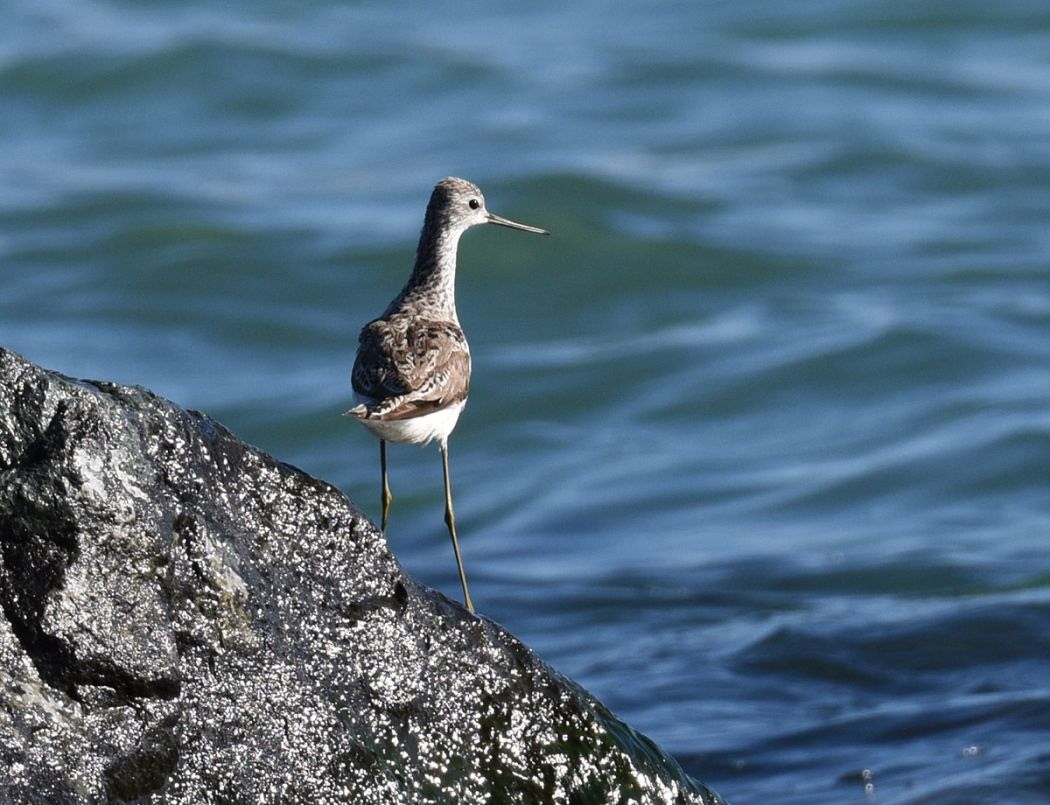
[(758, 447)]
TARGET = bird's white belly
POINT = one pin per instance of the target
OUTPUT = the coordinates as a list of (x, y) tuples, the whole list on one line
[(419, 429)]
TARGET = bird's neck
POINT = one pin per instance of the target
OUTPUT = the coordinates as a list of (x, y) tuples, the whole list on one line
[(433, 281)]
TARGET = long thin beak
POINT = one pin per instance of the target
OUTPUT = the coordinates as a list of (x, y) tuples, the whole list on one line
[(495, 219)]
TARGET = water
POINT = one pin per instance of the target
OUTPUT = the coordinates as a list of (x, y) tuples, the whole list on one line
[(759, 440)]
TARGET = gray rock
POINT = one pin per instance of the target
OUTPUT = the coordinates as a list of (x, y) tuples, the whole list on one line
[(187, 620)]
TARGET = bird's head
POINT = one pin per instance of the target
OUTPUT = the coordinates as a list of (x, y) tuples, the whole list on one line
[(457, 205)]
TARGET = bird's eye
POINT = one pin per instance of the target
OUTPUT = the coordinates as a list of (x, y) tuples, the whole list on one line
[(474, 203)]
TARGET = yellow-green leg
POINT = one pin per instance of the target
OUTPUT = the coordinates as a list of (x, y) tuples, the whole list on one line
[(450, 521), (384, 495)]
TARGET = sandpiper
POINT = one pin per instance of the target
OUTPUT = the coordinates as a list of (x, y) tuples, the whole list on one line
[(412, 371)]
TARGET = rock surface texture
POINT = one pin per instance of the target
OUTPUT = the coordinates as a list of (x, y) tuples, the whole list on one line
[(187, 620)]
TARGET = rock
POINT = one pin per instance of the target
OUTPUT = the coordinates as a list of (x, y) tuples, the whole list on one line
[(187, 620)]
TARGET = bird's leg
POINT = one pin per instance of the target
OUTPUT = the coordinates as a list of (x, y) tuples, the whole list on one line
[(384, 494), (450, 520)]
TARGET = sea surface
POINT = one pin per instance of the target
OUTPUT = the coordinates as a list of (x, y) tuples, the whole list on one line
[(758, 445)]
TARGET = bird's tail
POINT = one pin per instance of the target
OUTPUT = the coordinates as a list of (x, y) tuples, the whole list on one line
[(358, 412)]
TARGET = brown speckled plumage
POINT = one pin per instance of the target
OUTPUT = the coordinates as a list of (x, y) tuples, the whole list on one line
[(411, 365)]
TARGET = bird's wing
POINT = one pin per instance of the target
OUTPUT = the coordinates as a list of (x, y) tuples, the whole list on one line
[(408, 366)]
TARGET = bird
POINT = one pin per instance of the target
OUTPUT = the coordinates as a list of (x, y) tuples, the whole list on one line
[(411, 376)]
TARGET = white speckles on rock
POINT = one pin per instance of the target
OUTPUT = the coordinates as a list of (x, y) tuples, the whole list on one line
[(186, 620), (89, 466)]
